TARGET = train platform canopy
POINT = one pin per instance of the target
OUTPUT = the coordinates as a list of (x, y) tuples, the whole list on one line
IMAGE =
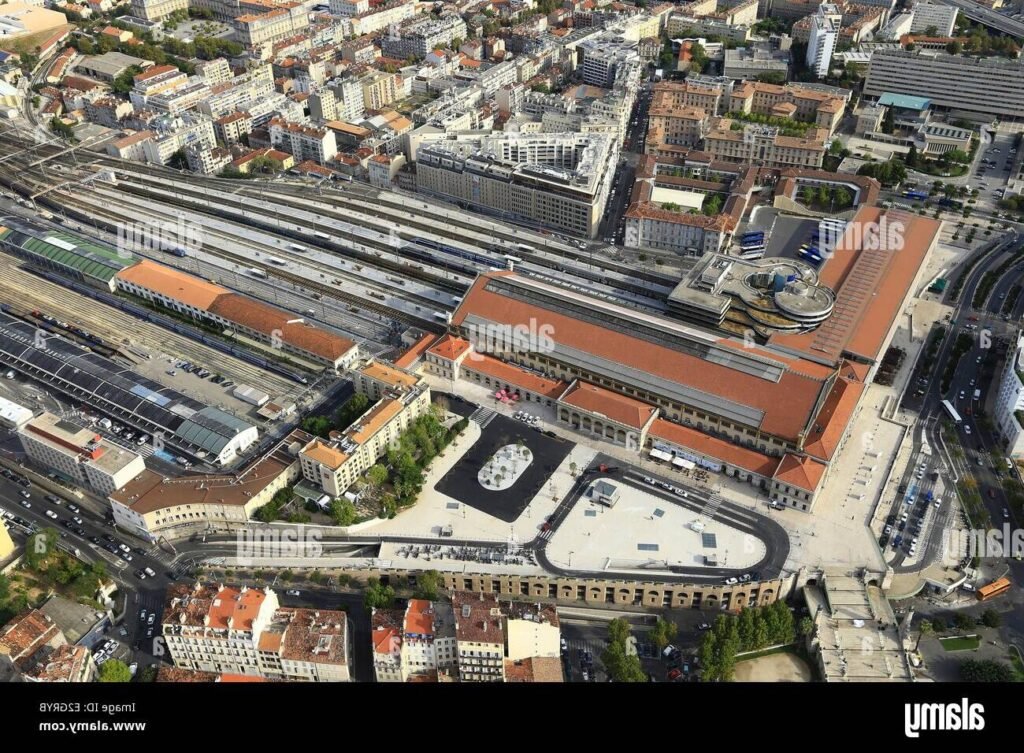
[(118, 391), (92, 262)]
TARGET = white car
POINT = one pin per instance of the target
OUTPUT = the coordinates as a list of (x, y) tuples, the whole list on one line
[(51, 514), (293, 592), (731, 581), (967, 429)]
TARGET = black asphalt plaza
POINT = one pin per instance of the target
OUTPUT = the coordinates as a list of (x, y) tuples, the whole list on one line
[(461, 482)]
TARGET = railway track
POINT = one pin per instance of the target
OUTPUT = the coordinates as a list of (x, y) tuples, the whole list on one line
[(110, 225)]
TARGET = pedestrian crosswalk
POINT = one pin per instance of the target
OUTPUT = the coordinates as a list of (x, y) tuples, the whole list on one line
[(482, 416), (707, 513)]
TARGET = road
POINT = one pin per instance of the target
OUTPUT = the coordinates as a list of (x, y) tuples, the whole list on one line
[(931, 454)]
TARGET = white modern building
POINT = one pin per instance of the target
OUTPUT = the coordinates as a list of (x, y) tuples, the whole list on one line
[(79, 454), (928, 15), (1009, 407), (12, 415), (825, 24)]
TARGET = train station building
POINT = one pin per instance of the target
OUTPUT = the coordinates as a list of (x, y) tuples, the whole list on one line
[(773, 410)]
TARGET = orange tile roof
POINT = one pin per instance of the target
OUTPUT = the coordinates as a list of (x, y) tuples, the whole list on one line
[(419, 618), (713, 447), (787, 404), (802, 472), (323, 453), (449, 347), (412, 355), (614, 405), (173, 283), (830, 423), (514, 376), (865, 313), (270, 321), (386, 630), (375, 420), (396, 377)]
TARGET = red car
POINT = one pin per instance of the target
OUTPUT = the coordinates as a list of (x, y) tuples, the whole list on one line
[(675, 674), (991, 493)]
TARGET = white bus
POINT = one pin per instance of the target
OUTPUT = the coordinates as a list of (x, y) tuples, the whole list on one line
[(951, 411), (275, 260), (299, 249), (524, 249), (257, 272)]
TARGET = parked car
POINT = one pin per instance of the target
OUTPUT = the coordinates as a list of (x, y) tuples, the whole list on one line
[(293, 592)]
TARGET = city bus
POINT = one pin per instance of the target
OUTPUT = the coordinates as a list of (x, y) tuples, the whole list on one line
[(996, 587), (300, 249), (951, 411), (275, 260)]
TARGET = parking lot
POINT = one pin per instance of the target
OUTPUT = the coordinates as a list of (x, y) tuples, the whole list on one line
[(461, 482), (786, 233), (173, 372)]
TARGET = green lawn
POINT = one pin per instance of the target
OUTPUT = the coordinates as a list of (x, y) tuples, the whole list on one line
[(960, 643)]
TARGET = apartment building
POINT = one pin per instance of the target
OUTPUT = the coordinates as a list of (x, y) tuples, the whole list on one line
[(824, 33), (152, 506), (925, 15), (178, 132), (398, 399), (261, 28), (157, 10), (604, 57), (380, 89), (792, 101), (160, 79), (367, 20), (245, 631), (213, 72), (559, 180), (419, 36), (386, 638), (975, 87), (1009, 404), (654, 221), (480, 637), (78, 454), (33, 648), (231, 128), (764, 145), (429, 645), (303, 142)]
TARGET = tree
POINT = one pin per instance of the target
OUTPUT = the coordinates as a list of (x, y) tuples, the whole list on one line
[(343, 511), (842, 198), (378, 596), (806, 626), (61, 128), (428, 585), (985, 670), (377, 475), (113, 670), (572, 469), (991, 618), (618, 630), (954, 47), (912, 158), (352, 410), (925, 628), (963, 621), (663, 633), (622, 664)]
